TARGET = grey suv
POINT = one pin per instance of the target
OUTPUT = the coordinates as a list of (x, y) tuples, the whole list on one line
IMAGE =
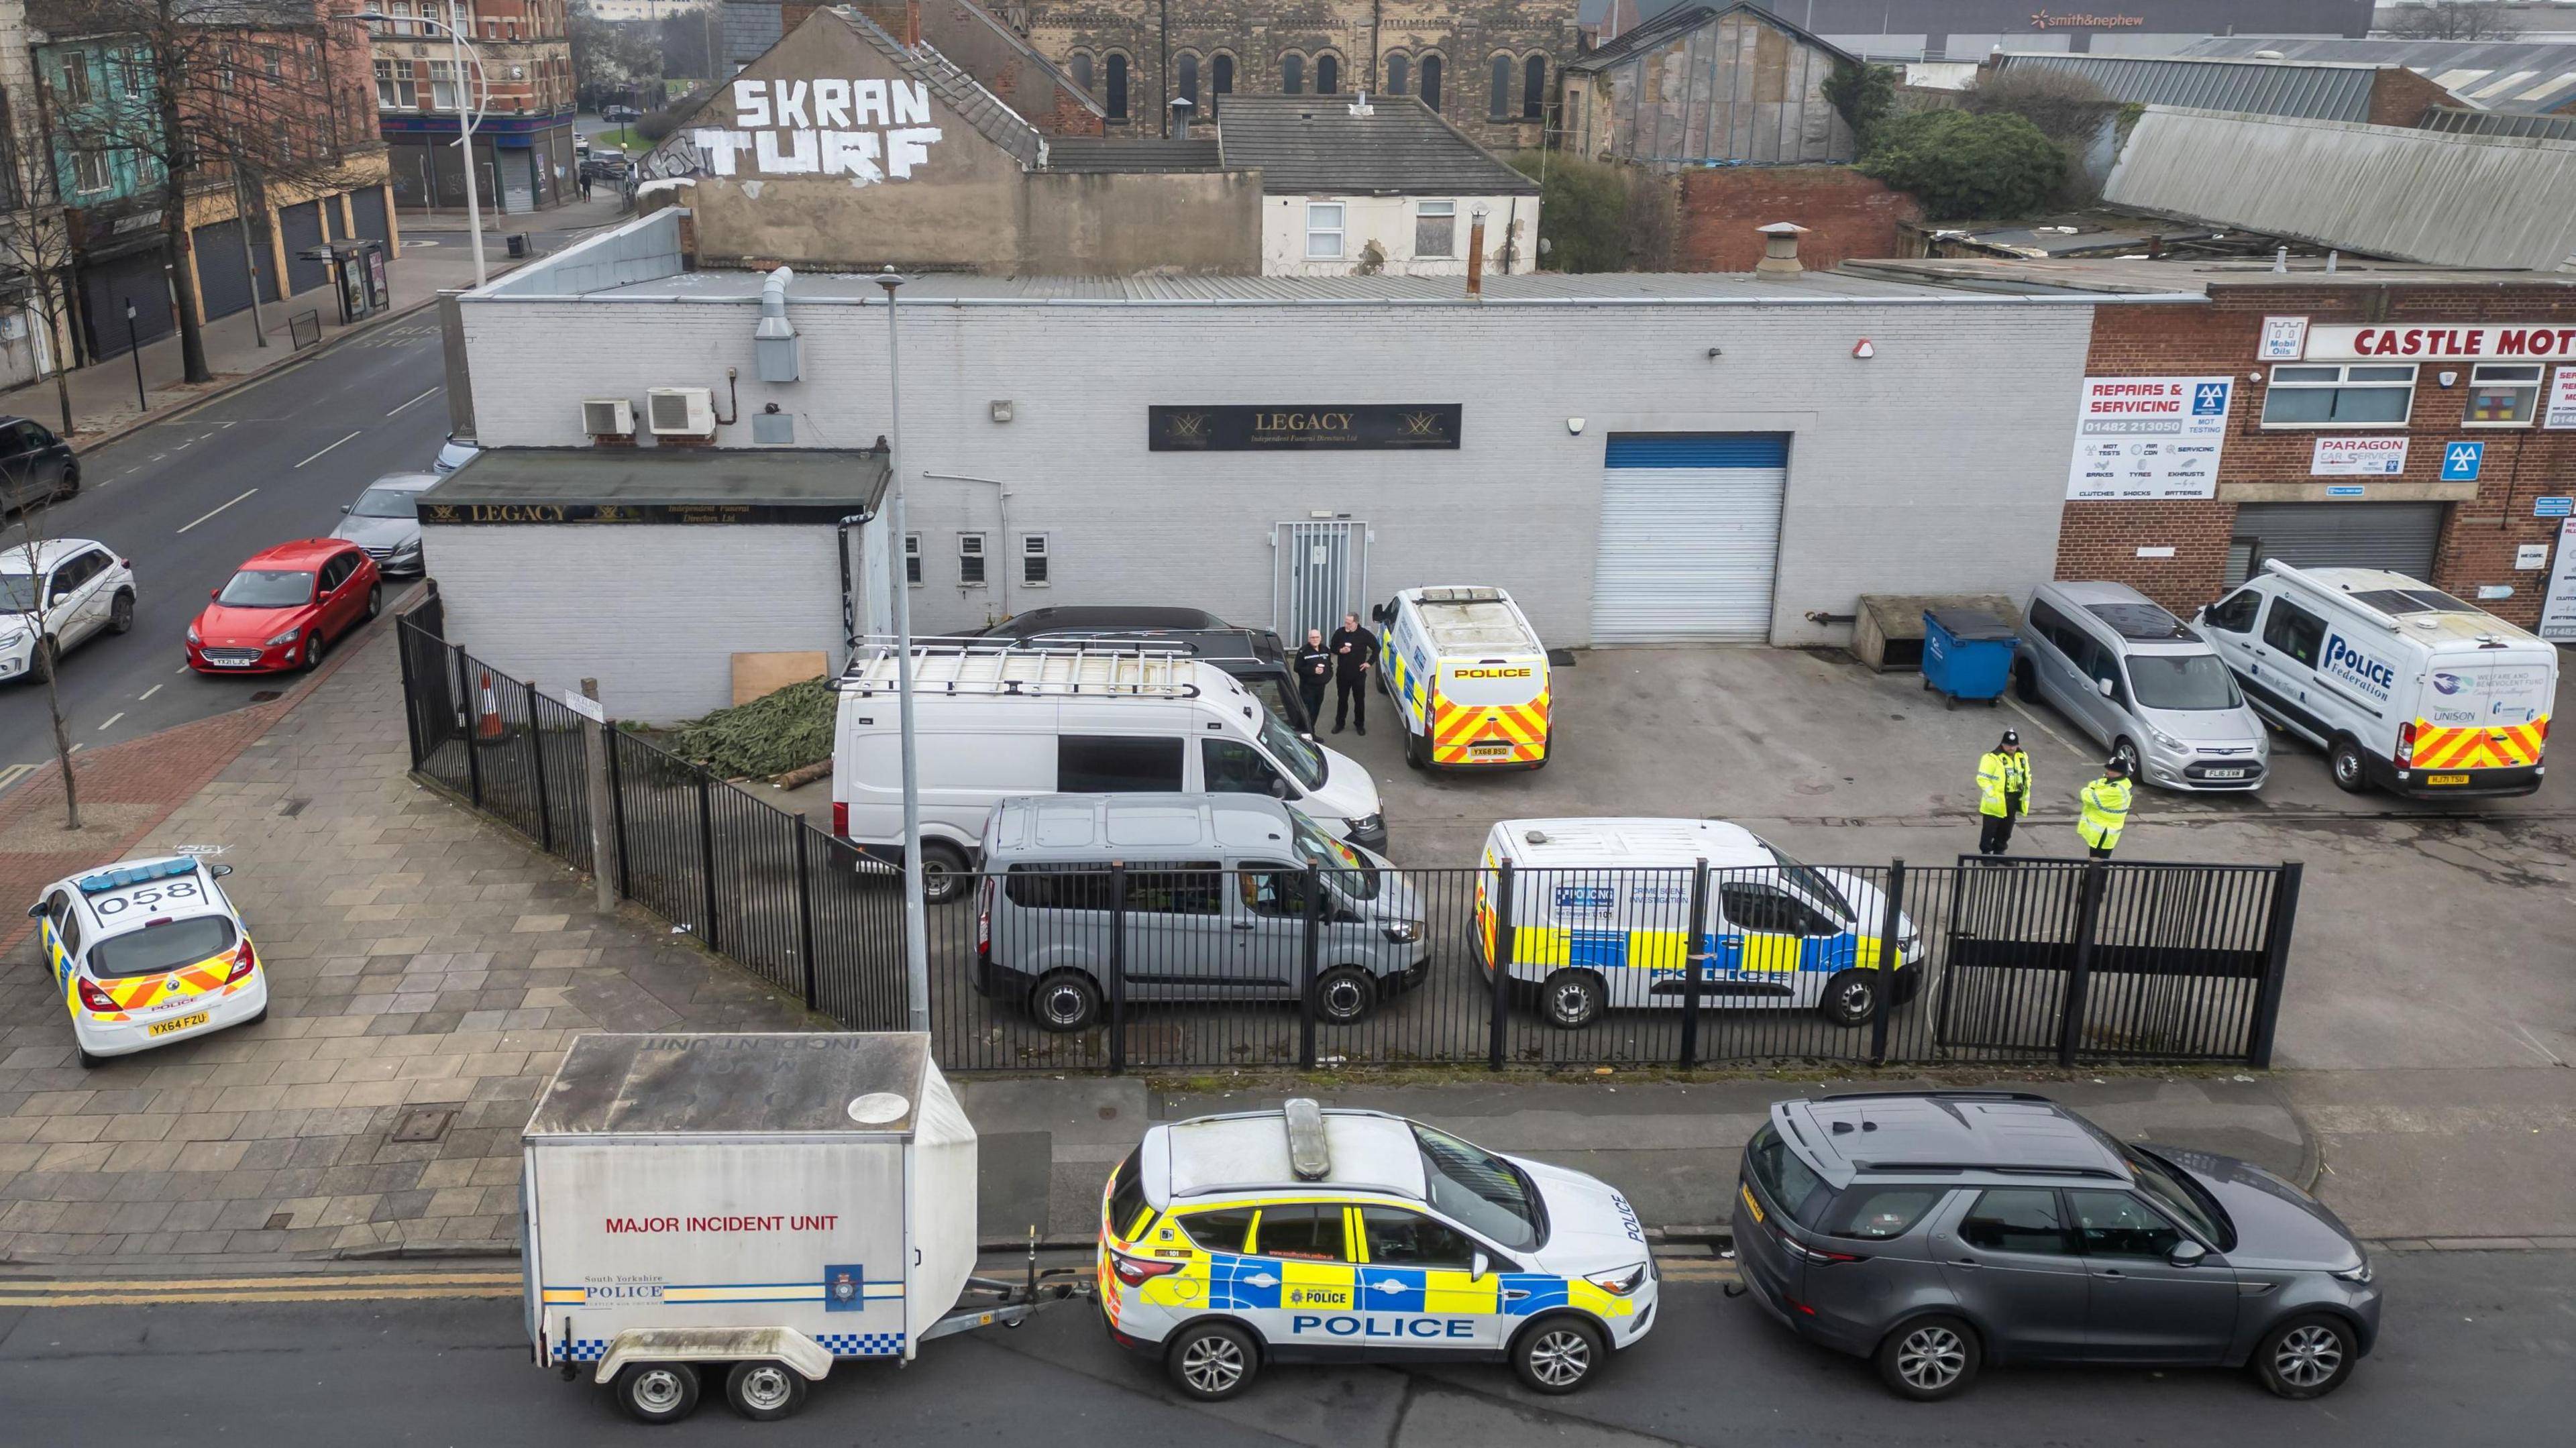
[(1937, 1231)]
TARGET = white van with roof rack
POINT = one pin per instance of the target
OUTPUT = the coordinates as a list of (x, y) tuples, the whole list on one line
[(2403, 686)]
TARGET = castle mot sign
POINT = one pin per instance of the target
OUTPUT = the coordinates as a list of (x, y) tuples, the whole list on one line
[(1330, 427)]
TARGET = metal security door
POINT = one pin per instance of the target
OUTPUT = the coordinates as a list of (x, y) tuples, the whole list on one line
[(1690, 534), (1322, 574), (2398, 536)]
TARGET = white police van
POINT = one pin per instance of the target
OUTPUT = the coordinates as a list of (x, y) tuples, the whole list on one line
[(2405, 687)]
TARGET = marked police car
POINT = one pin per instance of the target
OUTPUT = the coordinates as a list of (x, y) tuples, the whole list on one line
[(147, 952), (1320, 1236)]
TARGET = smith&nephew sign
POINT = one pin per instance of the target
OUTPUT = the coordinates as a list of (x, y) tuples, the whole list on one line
[(1328, 428)]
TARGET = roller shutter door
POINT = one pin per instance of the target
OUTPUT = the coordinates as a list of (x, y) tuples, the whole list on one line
[(2399, 536), (108, 286), (1690, 537), (223, 274), (301, 228), (368, 205)]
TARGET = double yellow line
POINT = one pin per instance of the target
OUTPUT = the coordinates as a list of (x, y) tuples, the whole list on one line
[(285, 1287)]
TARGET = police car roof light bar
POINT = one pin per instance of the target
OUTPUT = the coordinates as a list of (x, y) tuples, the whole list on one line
[(1309, 1156), (106, 880), (2287, 574)]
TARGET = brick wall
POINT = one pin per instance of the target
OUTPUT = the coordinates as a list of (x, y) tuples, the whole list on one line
[(1846, 215), (2399, 97)]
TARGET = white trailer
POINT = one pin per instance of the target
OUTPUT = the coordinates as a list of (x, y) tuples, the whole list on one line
[(749, 1210)]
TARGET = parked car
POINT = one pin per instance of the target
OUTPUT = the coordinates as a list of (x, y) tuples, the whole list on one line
[(148, 953), (1938, 1231), (56, 595), (455, 453), (35, 466), (385, 520), (2144, 683), (284, 607), (1254, 656), (620, 113)]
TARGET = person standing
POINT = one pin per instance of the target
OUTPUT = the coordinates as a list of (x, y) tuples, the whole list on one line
[(1314, 671), (2106, 810), (1353, 649), (2003, 793)]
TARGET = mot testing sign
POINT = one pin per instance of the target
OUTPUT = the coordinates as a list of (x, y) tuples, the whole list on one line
[(2558, 605), (2148, 438), (2562, 400)]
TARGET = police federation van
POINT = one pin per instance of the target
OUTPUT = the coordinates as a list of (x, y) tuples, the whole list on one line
[(2404, 687), (1307, 1235), (1468, 677), (146, 953)]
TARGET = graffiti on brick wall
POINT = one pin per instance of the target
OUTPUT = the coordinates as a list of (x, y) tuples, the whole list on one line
[(861, 131)]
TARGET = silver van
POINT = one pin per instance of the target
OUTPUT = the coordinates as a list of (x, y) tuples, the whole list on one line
[(1216, 907), (2143, 683)]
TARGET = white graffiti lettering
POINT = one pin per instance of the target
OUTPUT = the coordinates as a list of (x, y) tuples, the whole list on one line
[(791, 103), (869, 96), (852, 154), (908, 148), (802, 158), (911, 103), (831, 103), (750, 104), (809, 128)]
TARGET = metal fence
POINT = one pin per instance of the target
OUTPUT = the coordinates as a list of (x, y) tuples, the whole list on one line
[(1182, 964)]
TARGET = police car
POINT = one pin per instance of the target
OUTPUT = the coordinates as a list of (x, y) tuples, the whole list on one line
[(147, 952), (1320, 1236)]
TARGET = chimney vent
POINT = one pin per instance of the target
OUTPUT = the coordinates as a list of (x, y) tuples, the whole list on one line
[(1779, 261), (1360, 107)]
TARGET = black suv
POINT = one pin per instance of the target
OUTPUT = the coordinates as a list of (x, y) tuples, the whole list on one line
[(1937, 1231), (35, 466), (1254, 656)]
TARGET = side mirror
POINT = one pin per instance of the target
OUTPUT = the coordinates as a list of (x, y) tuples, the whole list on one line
[(219, 871), (1480, 1267), (2104, 685), (1381, 613), (2187, 1253), (344, 507), (1278, 788), (214, 593), (36, 911)]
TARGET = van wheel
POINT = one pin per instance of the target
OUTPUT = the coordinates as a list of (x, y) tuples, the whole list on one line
[(943, 872), (1929, 1359), (2025, 681), (656, 1392), (765, 1391), (2126, 751), (1212, 1361), (2306, 1357), (1064, 1002), (1851, 997), (2351, 772), (1344, 995), (1570, 999), (1417, 750), (1558, 1355)]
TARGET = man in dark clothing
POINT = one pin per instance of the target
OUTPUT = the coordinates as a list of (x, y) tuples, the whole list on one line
[(1354, 649), (1314, 671)]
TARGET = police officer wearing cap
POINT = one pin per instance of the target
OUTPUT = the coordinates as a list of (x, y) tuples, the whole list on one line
[(2105, 810), (2003, 793)]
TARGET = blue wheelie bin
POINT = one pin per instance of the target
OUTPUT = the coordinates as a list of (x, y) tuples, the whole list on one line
[(1967, 654)]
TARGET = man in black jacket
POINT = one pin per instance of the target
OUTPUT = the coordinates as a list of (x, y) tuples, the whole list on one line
[(1354, 649), (1314, 671)]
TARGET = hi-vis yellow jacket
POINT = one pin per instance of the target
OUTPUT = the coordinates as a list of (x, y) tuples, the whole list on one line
[(2106, 812), (1999, 776)]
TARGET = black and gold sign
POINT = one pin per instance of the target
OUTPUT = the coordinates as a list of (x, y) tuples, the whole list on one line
[(1337, 427), (665, 513)]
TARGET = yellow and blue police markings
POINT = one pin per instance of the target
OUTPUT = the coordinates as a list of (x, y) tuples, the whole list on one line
[(1663, 955), (1408, 682), (841, 1289), (109, 895)]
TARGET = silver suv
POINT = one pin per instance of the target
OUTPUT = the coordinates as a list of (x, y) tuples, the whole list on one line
[(1937, 1231), (2143, 683)]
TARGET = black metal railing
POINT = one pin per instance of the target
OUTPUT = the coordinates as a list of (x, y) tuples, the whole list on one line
[(1183, 963)]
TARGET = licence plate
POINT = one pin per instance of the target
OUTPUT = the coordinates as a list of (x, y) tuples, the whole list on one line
[(1751, 1205), (1486, 749), (2446, 779), (2225, 774), (193, 1018)]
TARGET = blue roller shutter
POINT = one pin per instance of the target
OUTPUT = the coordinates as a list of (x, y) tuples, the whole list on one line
[(1690, 536)]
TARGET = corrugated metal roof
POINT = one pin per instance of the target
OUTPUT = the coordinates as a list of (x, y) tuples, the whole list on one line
[(2498, 123), (1306, 145), (1680, 19), (2494, 75), (2322, 91), (2415, 195)]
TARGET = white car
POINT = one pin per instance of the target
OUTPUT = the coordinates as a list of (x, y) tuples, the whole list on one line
[(146, 952), (455, 453), (54, 596)]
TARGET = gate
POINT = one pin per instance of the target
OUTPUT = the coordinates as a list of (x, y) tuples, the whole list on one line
[(1322, 574)]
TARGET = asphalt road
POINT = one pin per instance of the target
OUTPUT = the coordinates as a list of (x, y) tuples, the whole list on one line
[(187, 500), (2480, 1349)]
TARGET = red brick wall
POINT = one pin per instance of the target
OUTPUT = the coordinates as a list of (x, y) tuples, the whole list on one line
[(2100, 540), (2399, 97), (1847, 215)]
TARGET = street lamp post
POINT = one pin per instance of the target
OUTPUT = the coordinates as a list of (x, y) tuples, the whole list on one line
[(916, 922), (467, 117)]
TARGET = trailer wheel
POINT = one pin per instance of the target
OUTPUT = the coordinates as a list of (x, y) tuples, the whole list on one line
[(763, 1390), (657, 1392), (1212, 1361)]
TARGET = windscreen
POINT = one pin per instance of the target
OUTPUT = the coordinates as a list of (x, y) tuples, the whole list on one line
[(17, 593), (1295, 754), (2182, 681), (1348, 873), (386, 503), (1487, 682), (1480, 1189), (267, 588), (1791, 1183), (163, 947), (2490, 694), (1810, 880)]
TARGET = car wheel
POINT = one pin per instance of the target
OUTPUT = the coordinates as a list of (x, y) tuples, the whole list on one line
[(1851, 997), (1570, 999), (2025, 681), (314, 648), (90, 1062), (375, 600), (1344, 995), (2126, 751), (1930, 1358), (656, 1392), (71, 481), (1557, 1355), (764, 1391), (1065, 1002), (943, 873), (2351, 772), (1211, 1361), (120, 614), (2306, 1357), (40, 662)]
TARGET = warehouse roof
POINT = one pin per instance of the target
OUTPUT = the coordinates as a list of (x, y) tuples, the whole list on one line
[(2326, 90), (1386, 146), (856, 1082), (2132, 275), (2495, 75), (660, 478)]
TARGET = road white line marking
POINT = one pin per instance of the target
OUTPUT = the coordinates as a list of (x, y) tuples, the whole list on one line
[(229, 504), (111, 721), (432, 392), (15, 772), (2042, 726), (75, 749), (148, 693), (327, 449)]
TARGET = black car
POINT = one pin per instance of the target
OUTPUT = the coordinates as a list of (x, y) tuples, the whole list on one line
[(1254, 656), (35, 466), (1936, 1231)]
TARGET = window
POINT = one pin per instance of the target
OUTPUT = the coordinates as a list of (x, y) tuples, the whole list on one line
[(970, 560), (1221, 71), (2175, 1191), (1082, 69), (2062, 635), (912, 559), (2234, 613), (1479, 1188), (1431, 69), (1116, 99), (1234, 767), (1323, 231), (155, 949), (1399, 75), (1112, 764), (1310, 1233), (1328, 75), (2116, 1224), (491, 30), (442, 85), (1534, 88), (225, 74), (90, 171), (1225, 1230), (1500, 86), (1277, 893), (1126, 1194), (284, 136), (2104, 667), (1435, 228), (1292, 74), (1190, 81), (1786, 1180), (76, 79), (2360, 395), (396, 90), (1194, 888), (1398, 1238), (1033, 560), (1883, 1214), (2503, 394), (2022, 1219), (1760, 909), (2294, 631), (1058, 887)]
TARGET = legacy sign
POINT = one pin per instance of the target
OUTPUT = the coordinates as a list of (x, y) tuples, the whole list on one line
[(2479, 342), (865, 130), (1334, 427)]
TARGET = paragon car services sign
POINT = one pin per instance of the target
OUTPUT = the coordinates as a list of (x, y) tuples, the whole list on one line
[(1303, 428)]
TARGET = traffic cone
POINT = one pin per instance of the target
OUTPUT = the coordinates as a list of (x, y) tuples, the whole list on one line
[(488, 726)]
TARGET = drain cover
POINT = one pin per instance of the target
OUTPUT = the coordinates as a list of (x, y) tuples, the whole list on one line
[(292, 808), (423, 1123), (265, 695), (279, 1221)]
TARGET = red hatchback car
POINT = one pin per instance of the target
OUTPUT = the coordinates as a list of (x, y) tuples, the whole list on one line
[(284, 607)]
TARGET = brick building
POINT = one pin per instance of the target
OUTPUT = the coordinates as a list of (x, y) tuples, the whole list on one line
[(1846, 214), (523, 141)]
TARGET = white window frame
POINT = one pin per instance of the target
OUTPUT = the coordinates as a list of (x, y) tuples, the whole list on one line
[(975, 548), (912, 559), (442, 85), (91, 172), (1435, 210), (1035, 548), (2342, 380), (1338, 231), (2534, 386)]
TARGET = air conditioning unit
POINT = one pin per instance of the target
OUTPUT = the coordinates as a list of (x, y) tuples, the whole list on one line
[(680, 411), (608, 417)]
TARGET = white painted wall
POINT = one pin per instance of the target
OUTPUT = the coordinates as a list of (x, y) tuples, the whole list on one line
[(1390, 221)]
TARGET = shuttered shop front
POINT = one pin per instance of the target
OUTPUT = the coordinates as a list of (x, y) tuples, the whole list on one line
[(1690, 537), (2399, 536)]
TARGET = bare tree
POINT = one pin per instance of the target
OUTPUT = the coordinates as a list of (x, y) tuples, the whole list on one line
[(23, 491), (34, 243), (2453, 20)]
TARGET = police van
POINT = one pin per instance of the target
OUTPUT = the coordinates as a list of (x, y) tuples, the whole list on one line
[(1601, 921), (1308, 1235), (147, 952), (2404, 687), (1468, 677)]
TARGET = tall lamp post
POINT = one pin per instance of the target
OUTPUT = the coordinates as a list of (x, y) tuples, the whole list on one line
[(467, 117), (916, 921)]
